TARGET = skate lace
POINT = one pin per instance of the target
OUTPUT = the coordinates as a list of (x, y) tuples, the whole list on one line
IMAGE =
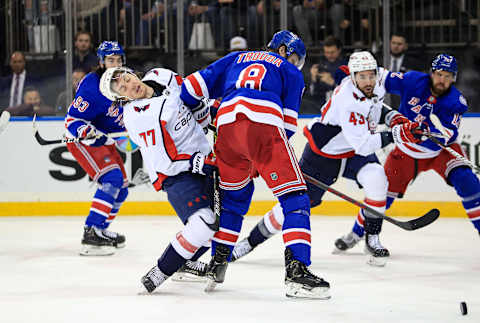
[(156, 275), (374, 241), (241, 248), (196, 265), (109, 234)]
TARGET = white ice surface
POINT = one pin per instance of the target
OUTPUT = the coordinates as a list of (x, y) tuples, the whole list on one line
[(42, 278)]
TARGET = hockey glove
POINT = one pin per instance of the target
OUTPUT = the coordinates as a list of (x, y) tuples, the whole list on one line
[(202, 114), (405, 133), (394, 117), (203, 165)]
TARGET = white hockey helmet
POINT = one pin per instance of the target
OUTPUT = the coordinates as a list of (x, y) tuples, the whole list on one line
[(106, 82), (361, 61)]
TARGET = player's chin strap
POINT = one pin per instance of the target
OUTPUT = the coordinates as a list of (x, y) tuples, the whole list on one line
[(64, 139)]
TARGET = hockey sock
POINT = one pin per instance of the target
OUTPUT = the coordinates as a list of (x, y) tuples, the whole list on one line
[(358, 225), (235, 204), (227, 234), (170, 261), (104, 198), (269, 225), (199, 253), (122, 196), (467, 186), (296, 226)]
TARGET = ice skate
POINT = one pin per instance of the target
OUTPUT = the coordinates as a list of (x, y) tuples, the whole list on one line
[(153, 279), (241, 249), (217, 268), (346, 242), (96, 243), (191, 271), (377, 254), (300, 282), (118, 239)]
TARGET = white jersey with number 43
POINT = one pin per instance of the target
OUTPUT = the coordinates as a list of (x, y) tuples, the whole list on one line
[(349, 121), (166, 133)]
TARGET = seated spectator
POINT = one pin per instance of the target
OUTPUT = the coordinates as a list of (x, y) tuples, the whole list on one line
[(62, 106), (310, 17), (32, 104), (238, 43), (323, 73), (263, 22), (12, 86), (83, 57)]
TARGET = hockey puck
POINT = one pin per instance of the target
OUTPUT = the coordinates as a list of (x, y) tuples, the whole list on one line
[(463, 308)]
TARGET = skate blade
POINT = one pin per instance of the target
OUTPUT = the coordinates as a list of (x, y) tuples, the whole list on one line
[(294, 290), (187, 277), (376, 261), (120, 245), (88, 250), (210, 286)]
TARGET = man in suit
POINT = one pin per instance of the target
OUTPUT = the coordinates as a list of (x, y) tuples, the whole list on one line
[(400, 60), (12, 86)]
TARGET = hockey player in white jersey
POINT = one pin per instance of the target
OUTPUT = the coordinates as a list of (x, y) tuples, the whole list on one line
[(342, 142), (178, 157)]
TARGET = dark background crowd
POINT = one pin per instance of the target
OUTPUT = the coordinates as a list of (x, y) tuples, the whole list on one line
[(32, 64)]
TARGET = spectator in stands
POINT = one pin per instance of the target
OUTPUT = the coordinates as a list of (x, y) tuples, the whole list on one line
[(400, 60), (263, 22), (83, 56), (32, 104), (310, 17), (98, 17), (62, 106), (238, 43), (322, 73), (12, 86)]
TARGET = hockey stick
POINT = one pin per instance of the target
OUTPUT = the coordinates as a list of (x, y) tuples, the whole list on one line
[(411, 225), (44, 142), (216, 184), (455, 154)]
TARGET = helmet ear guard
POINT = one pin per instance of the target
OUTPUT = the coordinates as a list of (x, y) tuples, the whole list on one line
[(292, 43), (106, 83)]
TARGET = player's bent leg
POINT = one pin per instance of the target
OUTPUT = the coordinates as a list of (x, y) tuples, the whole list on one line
[(300, 282), (182, 248), (235, 204), (467, 185), (270, 224), (95, 241), (374, 182)]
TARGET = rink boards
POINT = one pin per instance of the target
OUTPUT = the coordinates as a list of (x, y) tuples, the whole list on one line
[(45, 180)]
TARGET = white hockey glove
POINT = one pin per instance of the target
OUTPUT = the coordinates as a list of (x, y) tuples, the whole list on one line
[(90, 137), (4, 119), (202, 114)]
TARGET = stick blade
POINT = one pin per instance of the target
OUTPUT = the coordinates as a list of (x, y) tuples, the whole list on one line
[(426, 219)]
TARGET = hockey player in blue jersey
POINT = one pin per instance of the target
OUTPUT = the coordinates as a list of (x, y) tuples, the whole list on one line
[(342, 143), (89, 116), (261, 94), (421, 96)]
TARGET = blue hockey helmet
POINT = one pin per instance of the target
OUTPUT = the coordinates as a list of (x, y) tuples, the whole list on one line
[(293, 44), (108, 48), (446, 63)]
